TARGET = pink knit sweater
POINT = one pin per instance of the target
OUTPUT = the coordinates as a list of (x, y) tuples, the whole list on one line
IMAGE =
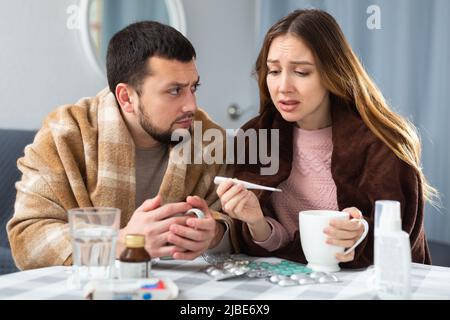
[(309, 186)]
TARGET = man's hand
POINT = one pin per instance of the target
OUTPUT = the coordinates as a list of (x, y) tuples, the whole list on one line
[(198, 234), (153, 221)]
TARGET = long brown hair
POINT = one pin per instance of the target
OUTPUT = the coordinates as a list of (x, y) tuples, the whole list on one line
[(343, 75)]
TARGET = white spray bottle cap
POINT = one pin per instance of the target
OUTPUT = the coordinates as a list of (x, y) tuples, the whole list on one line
[(387, 215)]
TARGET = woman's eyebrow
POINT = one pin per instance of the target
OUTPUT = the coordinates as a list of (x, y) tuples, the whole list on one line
[(296, 62), (301, 62)]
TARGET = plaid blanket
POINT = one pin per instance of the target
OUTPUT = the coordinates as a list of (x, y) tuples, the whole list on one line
[(83, 156)]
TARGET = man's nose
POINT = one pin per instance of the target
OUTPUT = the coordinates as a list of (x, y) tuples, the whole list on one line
[(190, 104)]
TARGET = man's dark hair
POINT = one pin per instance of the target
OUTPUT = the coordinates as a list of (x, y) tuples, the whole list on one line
[(131, 47)]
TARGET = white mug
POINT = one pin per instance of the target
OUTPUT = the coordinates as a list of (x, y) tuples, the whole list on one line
[(320, 255)]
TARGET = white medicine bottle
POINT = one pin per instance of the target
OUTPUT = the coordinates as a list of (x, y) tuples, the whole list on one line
[(392, 255)]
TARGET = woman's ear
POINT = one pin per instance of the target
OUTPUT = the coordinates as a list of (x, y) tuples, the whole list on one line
[(124, 95)]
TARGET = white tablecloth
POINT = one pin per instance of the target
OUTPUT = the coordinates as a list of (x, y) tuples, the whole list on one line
[(428, 282)]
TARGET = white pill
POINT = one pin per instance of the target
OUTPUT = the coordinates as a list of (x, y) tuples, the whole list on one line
[(315, 275), (306, 281), (328, 278), (274, 279), (239, 271), (286, 283), (216, 273), (299, 276), (210, 269)]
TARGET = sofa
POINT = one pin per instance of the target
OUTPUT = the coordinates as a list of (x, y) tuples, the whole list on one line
[(12, 145)]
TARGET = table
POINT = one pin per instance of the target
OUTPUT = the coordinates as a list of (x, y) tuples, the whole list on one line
[(428, 282)]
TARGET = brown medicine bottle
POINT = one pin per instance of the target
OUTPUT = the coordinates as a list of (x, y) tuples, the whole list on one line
[(135, 262)]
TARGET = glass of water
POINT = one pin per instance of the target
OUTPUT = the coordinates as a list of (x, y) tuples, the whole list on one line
[(94, 233)]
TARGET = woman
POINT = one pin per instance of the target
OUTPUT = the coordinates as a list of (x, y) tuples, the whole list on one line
[(341, 147)]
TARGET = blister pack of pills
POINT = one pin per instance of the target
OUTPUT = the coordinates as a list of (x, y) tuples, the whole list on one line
[(217, 258), (227, 270), (225, 267), (303, 279), (284, 273), (283, 268)]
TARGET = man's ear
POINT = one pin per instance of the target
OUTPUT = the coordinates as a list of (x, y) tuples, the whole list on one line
[(126, 97)]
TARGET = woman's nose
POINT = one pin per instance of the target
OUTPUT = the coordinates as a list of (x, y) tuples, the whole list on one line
[(285, 84)]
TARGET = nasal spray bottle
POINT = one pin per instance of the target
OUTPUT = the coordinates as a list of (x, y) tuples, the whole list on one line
[(392, 253)]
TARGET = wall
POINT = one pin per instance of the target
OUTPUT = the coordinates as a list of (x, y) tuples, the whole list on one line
[(41, 61), (223, 33), (43, 64)]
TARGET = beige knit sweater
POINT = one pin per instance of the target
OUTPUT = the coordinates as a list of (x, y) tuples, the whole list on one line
[(83, 156)]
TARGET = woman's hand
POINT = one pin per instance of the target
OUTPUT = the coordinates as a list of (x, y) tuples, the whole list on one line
[(345, 233), (239, 203)]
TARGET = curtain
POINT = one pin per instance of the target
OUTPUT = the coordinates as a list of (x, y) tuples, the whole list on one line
[(409, 59)]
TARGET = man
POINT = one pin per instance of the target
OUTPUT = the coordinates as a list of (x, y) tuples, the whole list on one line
[(115, 150)]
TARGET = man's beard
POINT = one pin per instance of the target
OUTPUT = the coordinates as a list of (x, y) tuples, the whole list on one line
[(162, 136)]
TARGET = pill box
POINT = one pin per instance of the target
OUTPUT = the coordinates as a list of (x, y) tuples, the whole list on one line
[(131, 289)]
